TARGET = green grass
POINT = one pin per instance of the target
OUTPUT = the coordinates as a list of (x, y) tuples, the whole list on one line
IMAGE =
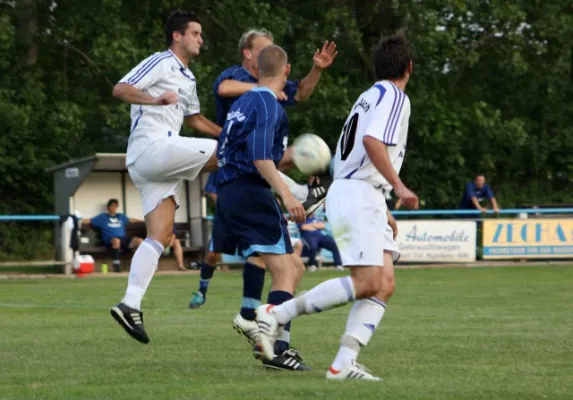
[(483, 333)]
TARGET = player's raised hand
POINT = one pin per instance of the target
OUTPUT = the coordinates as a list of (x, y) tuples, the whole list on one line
[(295, 209), (323, 58), (409, 199), (167, 98)]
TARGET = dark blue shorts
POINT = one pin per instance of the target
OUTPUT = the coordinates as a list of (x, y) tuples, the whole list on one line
[(249, 219)]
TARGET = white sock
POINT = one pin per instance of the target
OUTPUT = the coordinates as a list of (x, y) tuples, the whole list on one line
[(332, 293), (143, 266), (300, 192), (347, 352), (363, 320)]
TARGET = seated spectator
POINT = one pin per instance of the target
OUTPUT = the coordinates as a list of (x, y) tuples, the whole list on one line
[(112, 228), (314, 239), (475, 194)]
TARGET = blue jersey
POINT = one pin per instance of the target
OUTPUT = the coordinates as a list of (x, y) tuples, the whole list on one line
[(110, 226), (238, 73), (256, 129), (471, 190)]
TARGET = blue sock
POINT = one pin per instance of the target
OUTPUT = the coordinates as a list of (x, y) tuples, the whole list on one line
[(207, 272), (253, 282), (283, 342)]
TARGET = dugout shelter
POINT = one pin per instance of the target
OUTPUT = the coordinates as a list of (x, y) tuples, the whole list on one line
[(84, 186)]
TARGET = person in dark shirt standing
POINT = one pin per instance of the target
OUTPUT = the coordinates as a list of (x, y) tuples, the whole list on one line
[(111, 225), (475, 194)]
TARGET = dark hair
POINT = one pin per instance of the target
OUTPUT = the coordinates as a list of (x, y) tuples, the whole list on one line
[(271, 59), (392, 57), (112, 201), (177, 22)]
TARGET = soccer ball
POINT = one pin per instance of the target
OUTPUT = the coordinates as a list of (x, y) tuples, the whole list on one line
[(311, 154)]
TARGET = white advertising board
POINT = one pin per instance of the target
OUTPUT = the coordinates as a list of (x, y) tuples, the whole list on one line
[(437, 241)]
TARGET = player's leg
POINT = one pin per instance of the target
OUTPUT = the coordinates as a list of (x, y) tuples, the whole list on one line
[(115, 246), (363, 320), (158, 175), (207, 270), (253, 284), (286, 273), (253, 215), (361, 235), (159, 223)]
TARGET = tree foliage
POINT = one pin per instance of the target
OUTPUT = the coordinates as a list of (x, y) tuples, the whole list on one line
[(491, 90)]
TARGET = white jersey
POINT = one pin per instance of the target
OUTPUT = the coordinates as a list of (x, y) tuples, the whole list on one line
[(383, 112), (155, 75)]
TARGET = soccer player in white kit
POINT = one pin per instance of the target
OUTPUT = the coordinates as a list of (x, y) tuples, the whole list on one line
[(162, 92), (368, 159)]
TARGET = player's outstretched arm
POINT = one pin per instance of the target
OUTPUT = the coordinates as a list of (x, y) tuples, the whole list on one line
[(378, 155), (132, 95), (202, 124), (322, 59), (269, 172), (233, 88)]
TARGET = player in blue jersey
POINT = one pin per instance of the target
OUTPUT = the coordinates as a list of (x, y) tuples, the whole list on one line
[(248, 218), (238, 79)]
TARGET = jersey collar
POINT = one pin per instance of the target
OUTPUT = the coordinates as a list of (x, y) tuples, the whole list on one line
[(178, 60), (264, 89)]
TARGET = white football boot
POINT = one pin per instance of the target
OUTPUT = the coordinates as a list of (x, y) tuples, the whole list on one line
[(351, 371), (249, 329), (268, 331)]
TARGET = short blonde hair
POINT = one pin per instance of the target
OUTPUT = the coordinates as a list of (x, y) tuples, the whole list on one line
[(246, 41)]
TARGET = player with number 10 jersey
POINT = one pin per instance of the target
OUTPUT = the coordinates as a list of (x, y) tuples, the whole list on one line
[(368, 158)]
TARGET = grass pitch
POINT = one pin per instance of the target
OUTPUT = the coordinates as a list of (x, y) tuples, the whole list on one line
[(482, 333)]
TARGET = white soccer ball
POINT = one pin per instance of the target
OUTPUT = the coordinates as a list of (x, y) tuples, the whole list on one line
[(311, 154)]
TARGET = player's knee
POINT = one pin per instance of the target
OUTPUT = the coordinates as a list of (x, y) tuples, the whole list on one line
[(367, 281), (163, 237), (115, 243), (372, 288)]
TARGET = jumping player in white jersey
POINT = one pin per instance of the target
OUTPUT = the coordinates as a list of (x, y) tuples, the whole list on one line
[(162, 92), (368, 158)]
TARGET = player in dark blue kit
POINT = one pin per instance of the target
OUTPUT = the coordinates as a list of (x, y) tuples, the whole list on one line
[(237, 80), (248, 218)]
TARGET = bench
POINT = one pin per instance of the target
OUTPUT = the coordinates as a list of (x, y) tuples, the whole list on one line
[(91, 243)]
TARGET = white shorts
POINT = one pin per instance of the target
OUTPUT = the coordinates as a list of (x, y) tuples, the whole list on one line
[(158, 173), (356, 212)]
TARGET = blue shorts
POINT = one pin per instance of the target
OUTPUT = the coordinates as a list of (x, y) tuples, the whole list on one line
[(249, 219)]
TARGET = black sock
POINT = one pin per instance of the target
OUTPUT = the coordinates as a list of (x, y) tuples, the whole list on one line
[(283, 342), (253, 283), (207, 272)]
